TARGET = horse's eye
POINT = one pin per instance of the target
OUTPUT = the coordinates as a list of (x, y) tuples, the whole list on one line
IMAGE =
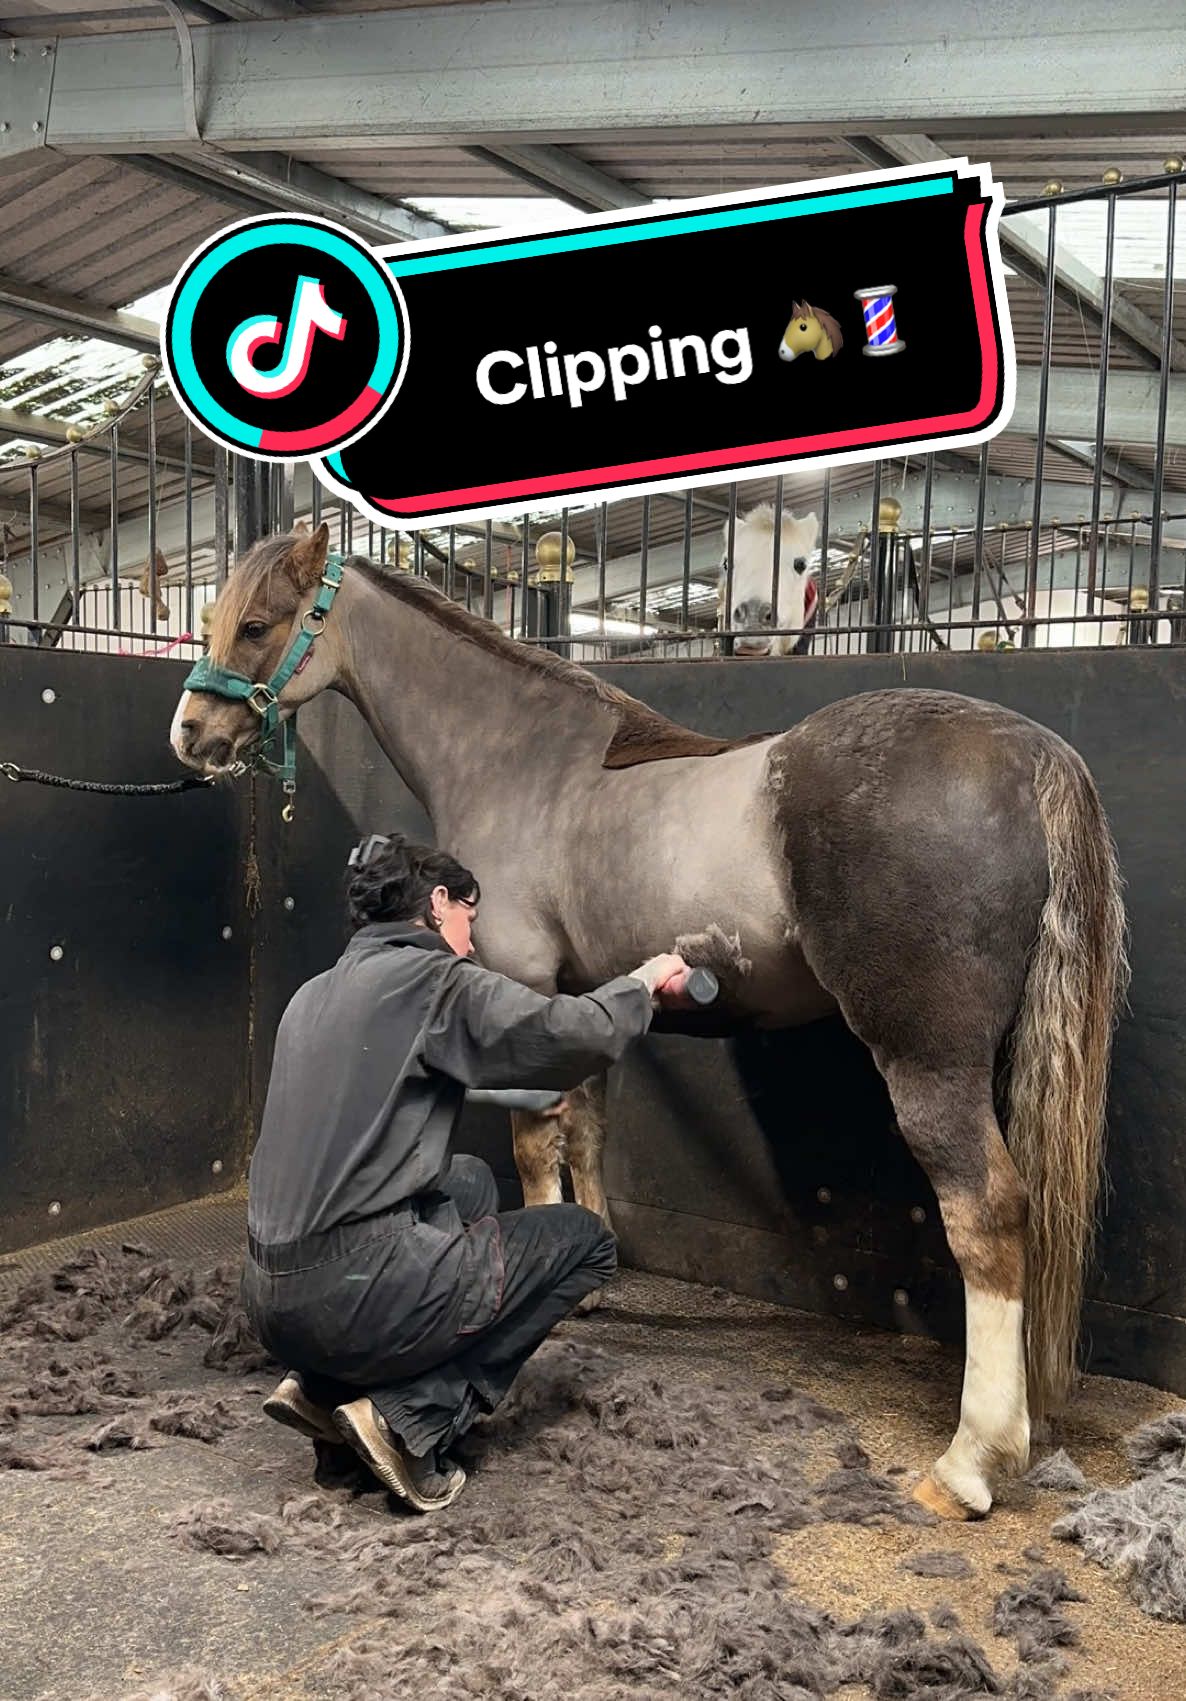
[(803, 324), (254, 630)]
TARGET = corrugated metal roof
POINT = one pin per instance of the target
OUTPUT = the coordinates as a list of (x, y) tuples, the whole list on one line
[(95, 229), (667, 165)]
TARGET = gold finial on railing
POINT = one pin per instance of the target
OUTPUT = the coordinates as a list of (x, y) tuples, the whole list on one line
[(5, 596), (548, 549), (111, 407), (74, 434), (1052, 187), (400, 555), (32, 451), (1113, 176), (150, 362), (889, 512), (1173, 165)]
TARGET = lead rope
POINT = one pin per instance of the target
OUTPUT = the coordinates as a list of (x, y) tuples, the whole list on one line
[(36, 777)]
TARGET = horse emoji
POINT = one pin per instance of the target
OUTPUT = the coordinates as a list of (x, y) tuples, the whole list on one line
[(811, 331)]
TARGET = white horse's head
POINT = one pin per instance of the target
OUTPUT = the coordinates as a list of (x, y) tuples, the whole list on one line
[(752, 615)]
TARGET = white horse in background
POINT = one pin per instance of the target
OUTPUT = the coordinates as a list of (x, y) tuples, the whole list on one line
[(752, 615)]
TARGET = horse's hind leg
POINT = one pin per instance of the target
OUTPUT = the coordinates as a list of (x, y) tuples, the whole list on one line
[(948, 1120)]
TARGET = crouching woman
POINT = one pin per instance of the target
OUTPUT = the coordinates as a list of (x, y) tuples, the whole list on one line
[(380, 1269)]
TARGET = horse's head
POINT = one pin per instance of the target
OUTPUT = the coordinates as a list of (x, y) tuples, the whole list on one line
[(259, 612), (752, 615), (801, 335)]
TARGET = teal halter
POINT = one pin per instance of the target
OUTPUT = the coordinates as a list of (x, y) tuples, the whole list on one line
[(264, 697)]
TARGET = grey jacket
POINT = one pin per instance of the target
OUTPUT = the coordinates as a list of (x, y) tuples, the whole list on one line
[(372, 1060)]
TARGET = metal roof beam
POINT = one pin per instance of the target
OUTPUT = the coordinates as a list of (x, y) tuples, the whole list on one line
[(558, 172), (275, 183), (245, 10), (554, 70), (1071, 403), (77, 318), (1025, 248), (35, 428), (1116, 469), (57, 514)]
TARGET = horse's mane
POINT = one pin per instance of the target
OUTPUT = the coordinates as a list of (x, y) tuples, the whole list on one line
[(834, 333), (642, 734)]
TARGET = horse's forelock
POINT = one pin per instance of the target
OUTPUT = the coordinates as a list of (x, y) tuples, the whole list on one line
[(247, 579)]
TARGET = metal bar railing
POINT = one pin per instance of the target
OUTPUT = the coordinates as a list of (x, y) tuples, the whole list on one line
[(1101, 400), (1167, 350), (658, 584)]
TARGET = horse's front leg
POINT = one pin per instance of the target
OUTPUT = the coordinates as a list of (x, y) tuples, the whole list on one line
[(585, 1140), (539, 1151), (575, 1137)]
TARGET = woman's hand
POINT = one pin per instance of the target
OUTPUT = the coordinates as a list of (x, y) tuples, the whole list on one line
[(664, 977)]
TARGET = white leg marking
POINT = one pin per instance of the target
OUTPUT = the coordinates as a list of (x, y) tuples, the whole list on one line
[(994, 1427), (179, 714)]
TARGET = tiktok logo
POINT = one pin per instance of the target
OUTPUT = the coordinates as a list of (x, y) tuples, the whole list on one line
[(269, 384), (310, 313)]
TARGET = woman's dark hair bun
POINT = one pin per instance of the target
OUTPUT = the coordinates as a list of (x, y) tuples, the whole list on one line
[(392, 878)]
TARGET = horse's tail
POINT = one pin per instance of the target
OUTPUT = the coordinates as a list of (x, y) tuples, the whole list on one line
[(1060, 1053)]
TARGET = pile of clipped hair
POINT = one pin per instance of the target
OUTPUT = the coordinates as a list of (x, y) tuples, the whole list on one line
[(392, 879)]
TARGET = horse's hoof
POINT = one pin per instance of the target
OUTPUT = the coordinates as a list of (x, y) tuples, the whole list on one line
[(936, 1498), (591, 1302)]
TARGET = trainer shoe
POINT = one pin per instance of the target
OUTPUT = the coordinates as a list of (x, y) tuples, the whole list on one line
[(416, 1480), (290, 1405)]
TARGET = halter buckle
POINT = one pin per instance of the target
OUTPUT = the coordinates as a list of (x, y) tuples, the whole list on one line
[(266, 694)]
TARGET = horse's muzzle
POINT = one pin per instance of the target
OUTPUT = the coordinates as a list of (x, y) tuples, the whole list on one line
[(785, 353)]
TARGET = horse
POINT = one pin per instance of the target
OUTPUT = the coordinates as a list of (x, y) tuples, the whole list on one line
[(937, 868), (752, 613), (811, 331)]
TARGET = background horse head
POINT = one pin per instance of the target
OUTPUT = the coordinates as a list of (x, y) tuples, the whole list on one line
[(811, 331), (752, 615)]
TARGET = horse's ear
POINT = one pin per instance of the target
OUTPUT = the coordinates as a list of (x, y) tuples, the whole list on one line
[(809, 532), (306, 562), (301, 529)]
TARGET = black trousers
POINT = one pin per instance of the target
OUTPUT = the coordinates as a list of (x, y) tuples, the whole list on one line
[(329, 1307)]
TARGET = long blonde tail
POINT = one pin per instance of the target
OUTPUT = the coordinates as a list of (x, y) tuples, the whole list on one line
[(1060, 1054)]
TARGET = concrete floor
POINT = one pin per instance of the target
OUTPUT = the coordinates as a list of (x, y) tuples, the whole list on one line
[(96, 1597)]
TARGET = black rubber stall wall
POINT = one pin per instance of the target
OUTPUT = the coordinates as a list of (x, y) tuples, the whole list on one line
[(124, 1011)]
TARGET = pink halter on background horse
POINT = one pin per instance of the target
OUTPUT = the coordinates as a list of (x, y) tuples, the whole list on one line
[(936, 867)]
